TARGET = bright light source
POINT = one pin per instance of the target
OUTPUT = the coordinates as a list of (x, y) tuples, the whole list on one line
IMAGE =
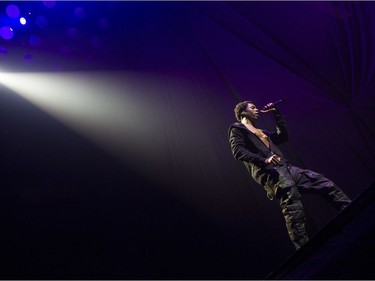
[(23, 21), (103, 109)]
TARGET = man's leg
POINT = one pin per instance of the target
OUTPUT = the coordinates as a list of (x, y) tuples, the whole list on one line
[(309, 181), (294, 215), (337, 197)]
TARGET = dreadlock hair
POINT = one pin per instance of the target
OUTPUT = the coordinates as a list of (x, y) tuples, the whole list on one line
[(240, 107)]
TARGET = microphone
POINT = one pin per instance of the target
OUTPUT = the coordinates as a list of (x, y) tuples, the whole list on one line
[(273, 104)]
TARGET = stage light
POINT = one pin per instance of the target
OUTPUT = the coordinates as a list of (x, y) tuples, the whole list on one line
[(23, 21), (12, 11), (125, 113), (105, 108), (6, 32)]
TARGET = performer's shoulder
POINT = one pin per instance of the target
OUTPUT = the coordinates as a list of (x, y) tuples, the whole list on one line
[(236, 125)]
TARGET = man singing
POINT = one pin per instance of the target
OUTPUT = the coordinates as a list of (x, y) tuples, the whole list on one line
[(258, 150)]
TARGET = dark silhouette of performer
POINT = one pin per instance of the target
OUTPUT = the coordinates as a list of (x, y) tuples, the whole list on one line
[(258, 150)]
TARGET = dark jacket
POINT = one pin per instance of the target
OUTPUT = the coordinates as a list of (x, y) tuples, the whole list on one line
[(249, 149)]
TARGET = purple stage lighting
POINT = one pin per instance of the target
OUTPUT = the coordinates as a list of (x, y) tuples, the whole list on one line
[(12, 11), (6, 32)]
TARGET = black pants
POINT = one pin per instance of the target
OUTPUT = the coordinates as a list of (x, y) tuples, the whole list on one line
[(291, 205)]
